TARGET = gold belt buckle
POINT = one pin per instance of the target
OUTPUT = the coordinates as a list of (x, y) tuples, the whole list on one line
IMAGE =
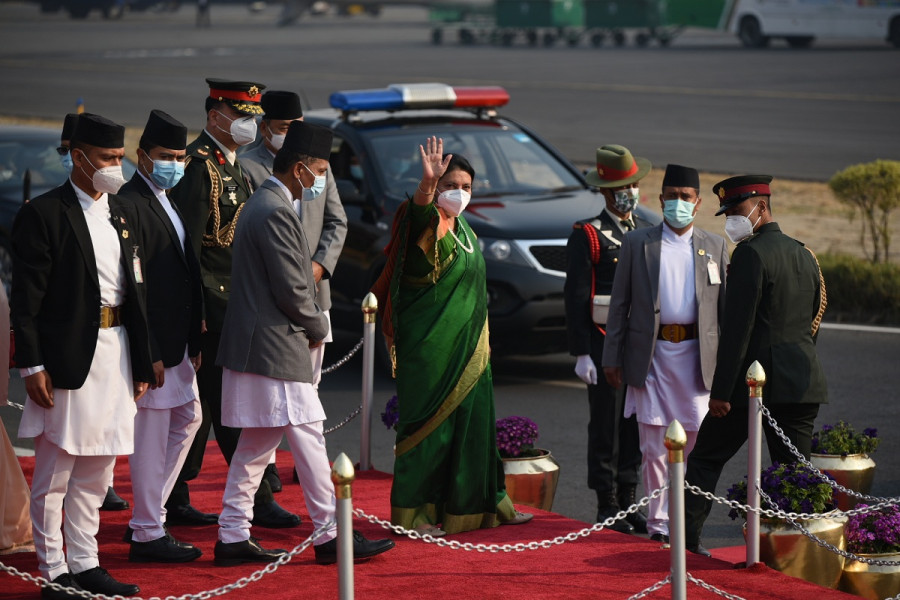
[(674, 333), (107, 317)]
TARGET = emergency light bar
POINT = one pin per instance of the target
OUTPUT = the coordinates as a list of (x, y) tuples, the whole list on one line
[(419, 96)]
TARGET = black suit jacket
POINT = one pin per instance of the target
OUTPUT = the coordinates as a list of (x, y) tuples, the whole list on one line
[(174, 287), (55, 301), (583, 336)]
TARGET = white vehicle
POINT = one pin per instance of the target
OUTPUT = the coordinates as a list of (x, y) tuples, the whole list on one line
[(799, 22)]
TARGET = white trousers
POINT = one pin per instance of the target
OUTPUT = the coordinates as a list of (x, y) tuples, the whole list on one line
[(317, 355), (79, 484), (163, 438), (254, 448), (655, 472)]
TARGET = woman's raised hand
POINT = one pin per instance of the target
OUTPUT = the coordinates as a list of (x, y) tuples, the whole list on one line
[(433, 163)]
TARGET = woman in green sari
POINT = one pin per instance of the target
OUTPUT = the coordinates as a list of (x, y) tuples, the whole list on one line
[(448, 476)]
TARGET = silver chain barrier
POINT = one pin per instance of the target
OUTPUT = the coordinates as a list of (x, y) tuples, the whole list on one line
[(15, 405), (711, 588), (204, 595), (806, 463), (656, 586), (344, 360), (519, 547)]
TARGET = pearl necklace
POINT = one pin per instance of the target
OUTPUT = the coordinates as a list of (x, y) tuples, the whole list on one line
[(471, 247)]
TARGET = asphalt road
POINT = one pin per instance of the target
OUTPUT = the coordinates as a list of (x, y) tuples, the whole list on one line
[(704, 101)]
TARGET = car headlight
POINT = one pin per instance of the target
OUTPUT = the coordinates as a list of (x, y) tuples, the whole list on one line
[(504, 251)]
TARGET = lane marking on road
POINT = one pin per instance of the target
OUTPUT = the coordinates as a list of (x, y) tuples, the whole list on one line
[(865, 328)]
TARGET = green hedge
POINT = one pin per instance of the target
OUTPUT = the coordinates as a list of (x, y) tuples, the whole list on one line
[(861, 292)]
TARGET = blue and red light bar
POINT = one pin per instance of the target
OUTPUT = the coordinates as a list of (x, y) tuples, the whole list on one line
[(407, 96)]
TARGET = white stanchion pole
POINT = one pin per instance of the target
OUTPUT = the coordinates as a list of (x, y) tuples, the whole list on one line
[(756, 379), (676, 440), (342, 474), (369, 309)]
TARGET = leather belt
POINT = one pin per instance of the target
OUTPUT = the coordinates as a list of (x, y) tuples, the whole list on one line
[(110, 316), (677, 333)]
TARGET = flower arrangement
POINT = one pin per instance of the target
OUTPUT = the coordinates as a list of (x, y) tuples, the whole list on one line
[(391, 414), (842, 439), (792, 487), (516, 437), (876, 532)]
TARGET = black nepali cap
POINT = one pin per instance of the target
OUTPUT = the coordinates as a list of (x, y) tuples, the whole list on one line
[(242, 96), (308, 139), (679, 176), (165, 131), (281, 105), (735, 190), (68, 126), (98, 131)]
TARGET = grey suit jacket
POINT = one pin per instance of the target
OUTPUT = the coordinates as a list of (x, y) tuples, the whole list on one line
[(324, 219), (272, 314), (633, 322)]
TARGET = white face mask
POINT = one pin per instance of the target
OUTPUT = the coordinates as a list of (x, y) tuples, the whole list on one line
[(625, 200), (242, 130), (454, 202), (107, 180), (738, 227), (277, 140)]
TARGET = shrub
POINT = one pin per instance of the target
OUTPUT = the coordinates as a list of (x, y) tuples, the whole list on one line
[(842, 439), (859, 291)]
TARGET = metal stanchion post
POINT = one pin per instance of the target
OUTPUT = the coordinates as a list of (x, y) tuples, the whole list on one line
[(369, 309), (676, 440), (342, 475), (756, 379)]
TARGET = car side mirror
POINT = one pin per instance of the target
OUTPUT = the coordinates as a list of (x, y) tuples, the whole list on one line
[(348, 192)]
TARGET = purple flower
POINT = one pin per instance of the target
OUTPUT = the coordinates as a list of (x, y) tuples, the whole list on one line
[(841, 439), (515, 436), (391, 415), (875, 532), (792, 488)]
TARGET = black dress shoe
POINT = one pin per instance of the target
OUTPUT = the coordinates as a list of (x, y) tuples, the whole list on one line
[(272, 516), (698, 549), (64, 580), (638, 521), (99, 581), (622, 525), (326, 554), (271, 475), (162, 550), (236, 553), (660, 537), (113, 501), (185, 514)]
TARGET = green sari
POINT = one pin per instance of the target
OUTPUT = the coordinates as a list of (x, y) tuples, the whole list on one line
[(447, 469)]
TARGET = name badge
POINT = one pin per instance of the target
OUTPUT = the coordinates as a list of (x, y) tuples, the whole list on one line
[(713, 269), (136, 265)]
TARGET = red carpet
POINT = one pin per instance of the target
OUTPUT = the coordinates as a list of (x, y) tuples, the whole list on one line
[(605, 565)]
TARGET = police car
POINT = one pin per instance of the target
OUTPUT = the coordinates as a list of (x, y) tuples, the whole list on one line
[(525, 198)]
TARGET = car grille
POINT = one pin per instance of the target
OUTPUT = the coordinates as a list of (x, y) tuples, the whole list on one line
[(550, 257)]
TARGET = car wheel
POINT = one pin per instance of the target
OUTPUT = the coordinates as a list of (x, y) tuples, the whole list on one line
[(751, 34)]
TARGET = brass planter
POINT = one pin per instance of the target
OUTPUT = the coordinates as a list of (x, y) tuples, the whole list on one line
[(872, 581), (531, 480), (854, 471), (785, 549)]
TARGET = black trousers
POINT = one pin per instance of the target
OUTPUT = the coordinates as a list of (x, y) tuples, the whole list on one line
[(209, 382), (720, 438), (614, 451)]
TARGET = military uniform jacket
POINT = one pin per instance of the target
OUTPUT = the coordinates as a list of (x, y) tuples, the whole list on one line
[(771, 298), (324, 219), (174, 291), (583, 336), (56, 290), (211, 196)]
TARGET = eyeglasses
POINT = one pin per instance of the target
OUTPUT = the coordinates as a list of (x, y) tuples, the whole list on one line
[(62, 150)]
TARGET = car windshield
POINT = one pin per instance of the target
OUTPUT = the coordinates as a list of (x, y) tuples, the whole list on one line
[(38, 156), (506, 160)]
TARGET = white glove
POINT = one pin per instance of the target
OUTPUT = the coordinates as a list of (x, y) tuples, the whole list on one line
[(585, 369)]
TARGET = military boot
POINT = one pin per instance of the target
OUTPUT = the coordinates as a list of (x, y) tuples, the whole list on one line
[(608, 506), (626, 497)]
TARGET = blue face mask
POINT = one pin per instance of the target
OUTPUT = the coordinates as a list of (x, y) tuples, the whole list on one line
[(356, 172), (678, 213), (167, 173), (318, 186), (66, 160)]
